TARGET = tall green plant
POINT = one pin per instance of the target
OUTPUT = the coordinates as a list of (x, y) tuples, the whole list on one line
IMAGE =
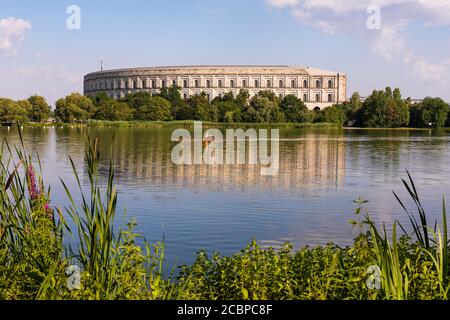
[(420, 229), (30, 233), (394, 280), (114, 265), (439, 254)]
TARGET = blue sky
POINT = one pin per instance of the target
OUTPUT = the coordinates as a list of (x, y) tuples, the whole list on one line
[(411, 49)]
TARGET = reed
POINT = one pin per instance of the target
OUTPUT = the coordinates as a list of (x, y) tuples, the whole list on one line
[(118, 264)]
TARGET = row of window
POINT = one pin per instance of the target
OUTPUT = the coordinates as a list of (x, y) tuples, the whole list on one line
[(142, 84)]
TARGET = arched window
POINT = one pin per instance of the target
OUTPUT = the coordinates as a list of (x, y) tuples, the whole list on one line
[(269, 84), (164, 83), (330, 97), (134, 85), (144, 84), (174, 83), (317, 109), (219, 83), (185, 83), (293, 84), (185, 96), (256, 84), (208, 83), (196, 83), (330, 84), (317, 83), (281, 84), (305, 97), (153, 84), (232, 83), (317, 97), (244, 84), (305, 83)]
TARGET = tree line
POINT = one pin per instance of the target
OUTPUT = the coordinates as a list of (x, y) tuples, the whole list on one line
[(382, 109)]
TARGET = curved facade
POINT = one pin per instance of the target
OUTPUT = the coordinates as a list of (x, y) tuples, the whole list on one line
[(317, 88)]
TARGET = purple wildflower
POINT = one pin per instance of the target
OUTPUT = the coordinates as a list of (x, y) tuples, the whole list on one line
[(36, 192), (32, 187)]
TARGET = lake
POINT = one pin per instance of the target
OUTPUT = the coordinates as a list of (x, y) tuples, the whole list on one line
[(322, 171)]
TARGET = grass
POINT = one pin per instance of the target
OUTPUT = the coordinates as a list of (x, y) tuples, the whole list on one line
[(34, 263)]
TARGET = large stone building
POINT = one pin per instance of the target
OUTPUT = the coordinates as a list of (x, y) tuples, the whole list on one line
[(317, 88)]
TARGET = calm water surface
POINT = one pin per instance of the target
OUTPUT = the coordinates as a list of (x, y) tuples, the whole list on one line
[(223, 208)]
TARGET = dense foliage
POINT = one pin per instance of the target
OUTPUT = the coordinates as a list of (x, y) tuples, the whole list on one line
[(385, 109), (382, 109), (430, 112), (35, 263)]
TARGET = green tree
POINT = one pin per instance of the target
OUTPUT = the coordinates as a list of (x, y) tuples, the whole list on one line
[(99, 98), (12, 112), (40, 110), (113, 111), (228, 111), (138, 99), (199, 108), (415, 115), (334, 114), (294, 109), (438, 111), (173, 95), (242, 98), (430, 112), (25, 109), (353, 108), (385, 109), (155, 109), (264, 107), (74, 108)]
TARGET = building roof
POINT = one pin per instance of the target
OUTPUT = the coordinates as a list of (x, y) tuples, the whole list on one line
[(306, 70)]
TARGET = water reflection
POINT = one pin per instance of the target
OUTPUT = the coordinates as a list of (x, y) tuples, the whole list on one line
[(222, 207), (143, 158)]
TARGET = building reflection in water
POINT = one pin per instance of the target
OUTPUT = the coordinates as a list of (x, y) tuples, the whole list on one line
[(309, 162)]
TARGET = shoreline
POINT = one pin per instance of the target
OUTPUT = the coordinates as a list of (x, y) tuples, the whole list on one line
[(162, 124)]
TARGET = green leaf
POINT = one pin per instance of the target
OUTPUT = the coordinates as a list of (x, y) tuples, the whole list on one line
[(244, 293)]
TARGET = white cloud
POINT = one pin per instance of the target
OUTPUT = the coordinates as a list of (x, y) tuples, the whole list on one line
[(12, 32), (391, 42), (283, 3)]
